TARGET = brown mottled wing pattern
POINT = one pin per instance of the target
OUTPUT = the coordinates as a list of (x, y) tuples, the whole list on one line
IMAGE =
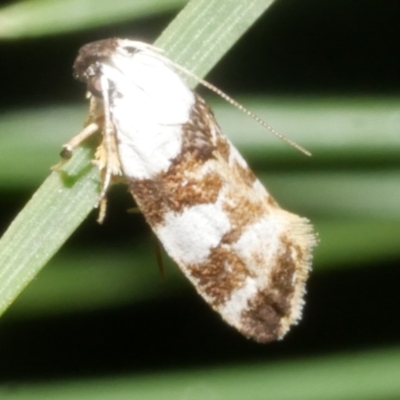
[(247, 257), (254, 274)]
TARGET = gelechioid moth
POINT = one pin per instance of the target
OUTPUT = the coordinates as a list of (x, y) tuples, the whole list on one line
[(246, 256)]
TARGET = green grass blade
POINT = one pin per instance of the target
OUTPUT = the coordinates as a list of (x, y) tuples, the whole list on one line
[(19, 250), (354, 376), (82, 281), (350, 243), (341, 130), (214, 26), (47, 17), (30, 142), (45, 223), (339, 195), (77, 281)]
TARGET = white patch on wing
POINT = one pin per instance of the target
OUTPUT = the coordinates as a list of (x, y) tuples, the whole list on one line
[(148, 152), (143, 111), (259, 244), (190, 235), (149, 105), (238, 302), (145, 75)]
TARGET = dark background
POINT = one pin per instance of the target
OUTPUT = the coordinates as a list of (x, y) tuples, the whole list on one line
[(310, 47)]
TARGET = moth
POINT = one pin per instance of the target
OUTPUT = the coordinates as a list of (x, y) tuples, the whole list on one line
[(247, 257)]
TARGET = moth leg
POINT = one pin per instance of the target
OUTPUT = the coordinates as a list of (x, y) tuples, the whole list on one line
[(102, 205), (72, 144), (110, 168)]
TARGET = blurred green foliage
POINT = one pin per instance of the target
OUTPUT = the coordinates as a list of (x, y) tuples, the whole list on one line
[(353, 205)]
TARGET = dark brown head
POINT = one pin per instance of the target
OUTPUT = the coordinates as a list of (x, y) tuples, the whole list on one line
[(86, 64)]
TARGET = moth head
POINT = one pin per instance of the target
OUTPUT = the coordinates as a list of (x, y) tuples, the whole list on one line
[(91, 58), (88, 63)]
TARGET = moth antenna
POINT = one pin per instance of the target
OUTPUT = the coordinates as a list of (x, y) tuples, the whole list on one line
[(232, 101)]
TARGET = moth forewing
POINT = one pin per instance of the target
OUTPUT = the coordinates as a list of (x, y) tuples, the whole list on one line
[(247, 257)]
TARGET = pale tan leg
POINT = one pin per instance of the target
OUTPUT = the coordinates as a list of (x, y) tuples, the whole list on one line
[(107, 139), (71, 145), (102, 205)]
